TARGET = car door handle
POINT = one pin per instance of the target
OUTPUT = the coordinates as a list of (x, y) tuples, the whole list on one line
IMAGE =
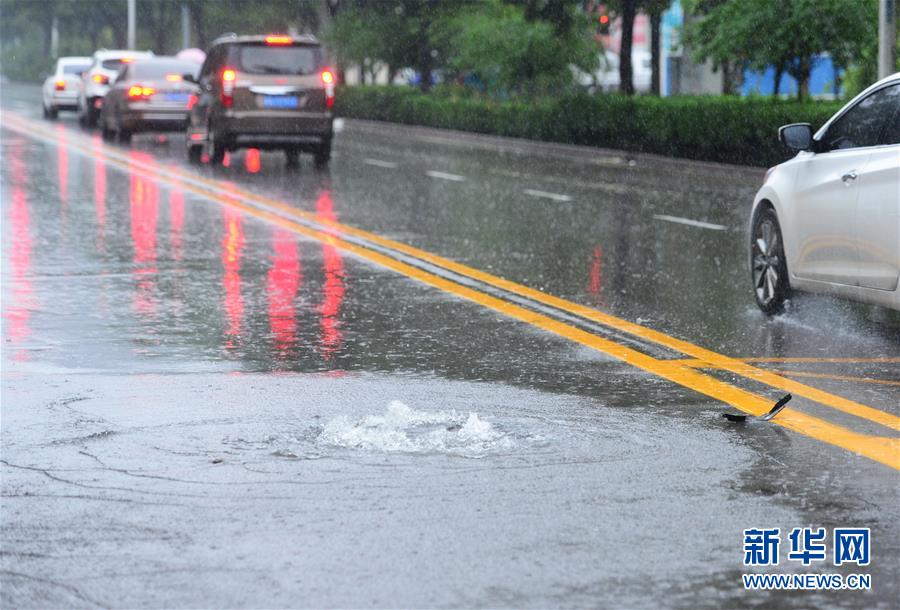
[(849, 177)]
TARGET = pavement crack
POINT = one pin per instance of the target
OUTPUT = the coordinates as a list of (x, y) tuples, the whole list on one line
[(55, 583), (49, 475)]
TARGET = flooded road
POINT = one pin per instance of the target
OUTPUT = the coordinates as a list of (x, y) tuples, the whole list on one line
[(256, 386)]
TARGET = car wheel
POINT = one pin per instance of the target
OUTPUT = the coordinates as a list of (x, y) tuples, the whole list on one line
[(105, 131), (292, 156), (50, 113), (124, 135), (195, 154), (322, 154), (216, 147), (90, 116), (770, 278)]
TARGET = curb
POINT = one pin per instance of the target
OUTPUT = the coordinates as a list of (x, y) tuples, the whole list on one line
[(584, 154)]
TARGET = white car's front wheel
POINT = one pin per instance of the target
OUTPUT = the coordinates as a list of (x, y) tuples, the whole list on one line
[(770, 278)]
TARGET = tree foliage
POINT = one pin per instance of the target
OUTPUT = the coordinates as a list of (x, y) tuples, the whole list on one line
[(787, 34), (511, 47)]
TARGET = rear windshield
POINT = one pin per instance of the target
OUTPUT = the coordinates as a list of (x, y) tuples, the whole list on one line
[(111, 64), (261, 59), (158, 70), (75, 68)]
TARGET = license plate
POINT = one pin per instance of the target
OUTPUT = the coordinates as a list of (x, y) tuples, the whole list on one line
[(177, 97), (280, 101)]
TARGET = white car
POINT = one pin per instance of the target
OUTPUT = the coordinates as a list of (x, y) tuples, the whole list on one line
[(828, 220), (105, 65), (60, 91)]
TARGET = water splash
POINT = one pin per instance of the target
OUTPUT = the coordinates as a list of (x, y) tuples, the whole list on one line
[(405, 430)]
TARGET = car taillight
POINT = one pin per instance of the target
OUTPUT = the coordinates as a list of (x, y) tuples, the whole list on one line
[(173, 78), (100, 78), (60, 85), (137, 92), (328, 81), (228, 78), (279, 40), (192, 101)]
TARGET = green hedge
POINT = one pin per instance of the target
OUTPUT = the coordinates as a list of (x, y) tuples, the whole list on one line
[(723, 129)]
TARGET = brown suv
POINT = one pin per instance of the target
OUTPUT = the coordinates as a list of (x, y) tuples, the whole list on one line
[(268, 92)]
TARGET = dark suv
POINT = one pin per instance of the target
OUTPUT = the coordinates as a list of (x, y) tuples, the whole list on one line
[(267, 92)]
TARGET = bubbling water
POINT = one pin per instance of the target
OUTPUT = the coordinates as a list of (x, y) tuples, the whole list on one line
[(402, 429)]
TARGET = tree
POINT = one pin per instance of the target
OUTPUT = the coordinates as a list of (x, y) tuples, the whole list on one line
[(655, 9), (626, 70), (787, 34), (511, 54)]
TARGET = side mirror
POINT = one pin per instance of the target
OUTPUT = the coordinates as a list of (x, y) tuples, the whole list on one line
[(796, 136), (189, 78)]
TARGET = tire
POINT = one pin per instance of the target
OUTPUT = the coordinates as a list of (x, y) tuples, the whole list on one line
[(771, 286), (322, 154), (105, 132), (50, 113), (292, 157), (89, 119), (124, 136), (216, 147), (195, 154)]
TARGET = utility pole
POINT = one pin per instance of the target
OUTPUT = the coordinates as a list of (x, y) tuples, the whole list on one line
[(887, 37), (131, 23), (54, 38), (185, 26)]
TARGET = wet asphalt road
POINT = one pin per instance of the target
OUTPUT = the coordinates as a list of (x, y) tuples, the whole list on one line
[(201, 407)]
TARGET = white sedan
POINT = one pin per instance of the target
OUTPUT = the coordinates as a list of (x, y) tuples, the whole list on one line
[(828, 220), (60, 91)]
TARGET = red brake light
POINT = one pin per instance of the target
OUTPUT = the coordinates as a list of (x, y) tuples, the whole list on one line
[(101, 78), (60, 85), (127, 60), (279, 40), (228, 78), (192, 101), (328, 79)]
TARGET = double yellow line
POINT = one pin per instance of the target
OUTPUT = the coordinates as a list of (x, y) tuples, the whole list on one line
[(390, 254)]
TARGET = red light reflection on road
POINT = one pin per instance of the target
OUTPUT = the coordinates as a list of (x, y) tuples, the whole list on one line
[(176, 222), (333, 288), (144, 199), (282, 282), (232, 244), (23, 300), (595, 275), (251, 160), (99, 193)]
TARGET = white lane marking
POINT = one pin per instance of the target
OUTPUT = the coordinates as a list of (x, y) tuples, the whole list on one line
[(689, 222), (338, 125), (380, 163), (443, 176), (546, 195)]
